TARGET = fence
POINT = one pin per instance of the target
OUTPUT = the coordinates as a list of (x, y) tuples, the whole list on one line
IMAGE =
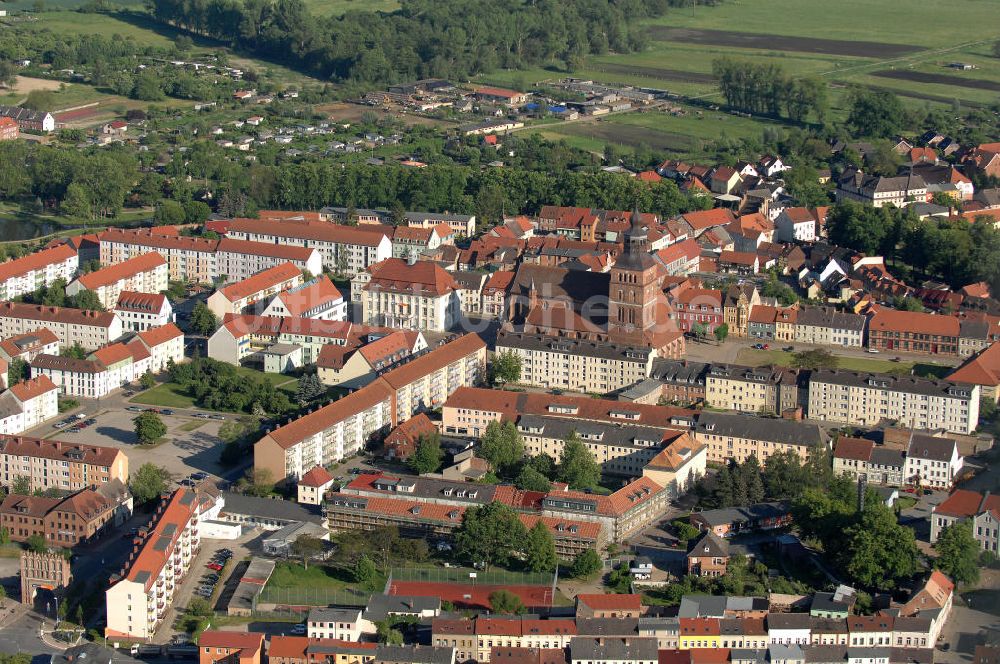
[(311, 597), (498, 577)]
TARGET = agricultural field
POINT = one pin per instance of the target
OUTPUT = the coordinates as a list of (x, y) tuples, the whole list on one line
[(340, 7)]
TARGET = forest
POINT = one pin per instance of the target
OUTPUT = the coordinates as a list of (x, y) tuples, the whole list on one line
[(452, 39)]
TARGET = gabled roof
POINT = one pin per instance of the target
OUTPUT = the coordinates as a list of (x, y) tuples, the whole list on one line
[(261, 281), (858, 449), (112, 274), (316, 477), (319, 291), (421, 278), (610, 602), (709, 545), (140, 302), (21, 266), (153, 337)]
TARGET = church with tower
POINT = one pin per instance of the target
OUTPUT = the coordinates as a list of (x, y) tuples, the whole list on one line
[(625, 306)]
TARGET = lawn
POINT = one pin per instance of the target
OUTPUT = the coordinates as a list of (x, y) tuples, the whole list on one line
[(137, 28), (756, 358), (317, 585), (170, 395), (340, 7)]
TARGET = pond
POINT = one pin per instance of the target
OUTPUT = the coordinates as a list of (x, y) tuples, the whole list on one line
[(26, 228)]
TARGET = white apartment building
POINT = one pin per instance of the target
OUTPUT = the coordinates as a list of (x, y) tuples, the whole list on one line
[(29, 273), (877, 191), (344, 249), (343, 624), (864, 399), (827, 327), (986, 530), (243, 296), (27, 346), (141, 593), (319, 299), (932, 461), (414, 295), (28, 404), (90, 329), (143, 311), (236, 260), (189, 259), (579, 365), (146, 273), (795, 224)]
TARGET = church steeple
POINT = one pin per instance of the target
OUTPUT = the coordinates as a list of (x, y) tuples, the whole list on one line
[(636, 237)]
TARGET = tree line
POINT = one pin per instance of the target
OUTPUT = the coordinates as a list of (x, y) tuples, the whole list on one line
[(764, 89), (424, 38)]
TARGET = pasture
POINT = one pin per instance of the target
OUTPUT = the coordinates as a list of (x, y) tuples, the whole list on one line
[(340, 7)]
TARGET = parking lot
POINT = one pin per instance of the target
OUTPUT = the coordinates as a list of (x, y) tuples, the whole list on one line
[(191, 444)]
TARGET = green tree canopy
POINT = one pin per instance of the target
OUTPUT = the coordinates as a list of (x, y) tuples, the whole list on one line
[(148, 483), (505, 367), (958, 553), (428, 455), (530, 479), (365, 573), (578, 468), (505, 602), (586, 564), (490, 534), (149, 427), (540, 555), (501, 445)]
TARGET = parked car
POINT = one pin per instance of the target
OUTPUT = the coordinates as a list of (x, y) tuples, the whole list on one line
[(873, 350), (217, 417), (166, 411), (199, 476), (134, 409), (215, 566), (298, 629), (152, 410), (201, 416)]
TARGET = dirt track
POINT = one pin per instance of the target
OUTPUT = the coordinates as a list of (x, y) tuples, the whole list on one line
[(939, 79), (734, 39)]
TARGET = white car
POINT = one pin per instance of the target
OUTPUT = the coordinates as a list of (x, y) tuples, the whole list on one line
[(297, 629)]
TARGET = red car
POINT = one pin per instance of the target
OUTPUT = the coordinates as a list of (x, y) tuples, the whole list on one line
[(214, 566)]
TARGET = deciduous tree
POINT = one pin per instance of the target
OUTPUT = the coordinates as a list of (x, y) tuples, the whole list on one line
[(958, 553), (541, 550), (578, 468)]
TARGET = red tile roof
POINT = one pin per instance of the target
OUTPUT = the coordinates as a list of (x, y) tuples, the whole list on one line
[(160, 335), (94, 455), (421, 278), (499, 281), (272, 277), (288, 252), (157, 238), (436, 359), (32, 388), (963, 503), (35, 261), (157, 547), (858, 449), (611, 602), (112, 354), (318, 292), (701, 219), (323, 231), (250, 641), (981, 369), (140, 302), (112, 274), (316, 477), (60, 314), (699, 626), (498, 92), (23, 343), (913, 322), (388, 349)]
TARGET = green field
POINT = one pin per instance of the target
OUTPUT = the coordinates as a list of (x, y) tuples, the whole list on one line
[(317, 585), (137, 28), (339, 7), (756, 358), (170, 395)]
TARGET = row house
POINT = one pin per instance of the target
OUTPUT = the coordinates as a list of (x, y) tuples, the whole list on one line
[(189, 259), (28, 404), (890, 330), (340, 429), (143, 311), (578, 365), (64, 522), (738, 302), (162, 554), (864, 399), (343, 249), (227, 647), (828, 327), (90, 329), (681, 258), (146, 273), (698, 309), (26, 346), (932, 461), (29, 119), (731, 436), (494, 294), (53, 464), (237, 260), (475, 639), (680, 381), (879, 464), (752, 389), (27, 274), (461, 225), (774, 323), (796, 224), (250, 294), (306, 650), (318, 298)]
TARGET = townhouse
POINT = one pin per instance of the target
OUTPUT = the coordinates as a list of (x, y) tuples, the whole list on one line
[(53, 464), (584, 650), (304, 650), (795, 224), (681, 258), (28, 119), (679, 382), (340, 624), (494, 296), (409, 294), (932, 461), (80, 517), (228, 647), (343, 427), (317, 298), (236, 260), (708, 556), (28, 404), (827, 327), (579, 365), (143, 311), (964, 505), (730, 436), (865, 399), (475, 639), (913, 332), (110, 367), (752, 389), (698, 309), (188, 259), (879, 464), (145, 273), (161, 556), (778, 323), (90, 329), (343, 249), (253, 293), (26, 346), (27, 274)]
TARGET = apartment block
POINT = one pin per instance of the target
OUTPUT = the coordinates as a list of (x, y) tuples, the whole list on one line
[(161, 556), (318, 299), (753, 389), (236, 260), (26, 346), (188, 258), (80, 517), (255, 292), (27, 274), (90, 329), (305, 650), (28, 404), (731, 436), (143, 311), (578, 365), (53, 464), (475, 639), (145, 273), (828, 327), (343, 249), (879, 464), (864, 399)]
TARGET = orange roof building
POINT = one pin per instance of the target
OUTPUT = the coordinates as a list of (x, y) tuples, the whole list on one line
[(230, 647), (411, 295), (145, 273), (24, 275), (318, 298), (244, 295)]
